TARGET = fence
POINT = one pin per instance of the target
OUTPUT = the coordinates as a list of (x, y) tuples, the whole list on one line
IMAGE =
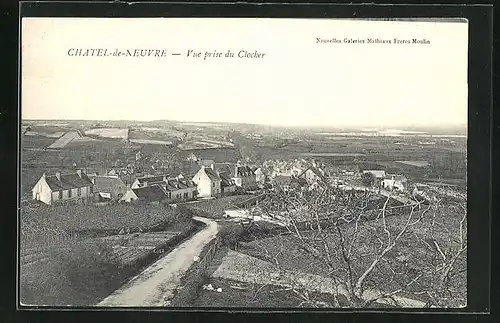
[(204, 263), (197, 277)]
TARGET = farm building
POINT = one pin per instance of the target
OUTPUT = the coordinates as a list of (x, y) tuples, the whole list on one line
[(208, 182), (244, 177), (109, 187), (228, 185), (176, 189), (192, 157), (289, 182), (63, 188), (149, 194), (260, 176), (378, 174), (148, 180), (397, 182)]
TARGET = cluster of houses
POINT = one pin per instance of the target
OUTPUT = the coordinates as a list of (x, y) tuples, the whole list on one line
[(210, 180), (388, 181), (284, 167), (207, 180)]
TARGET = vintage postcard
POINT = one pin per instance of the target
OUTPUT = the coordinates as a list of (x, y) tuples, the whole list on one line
[(243, 163)]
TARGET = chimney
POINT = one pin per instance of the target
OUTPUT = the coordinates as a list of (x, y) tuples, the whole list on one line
[(58, 175), (79, 172), (212, 166), (236, 170), (164, 178), (43, 175)]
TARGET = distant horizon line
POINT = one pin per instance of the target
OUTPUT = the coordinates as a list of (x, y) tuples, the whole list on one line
[(262, 124)]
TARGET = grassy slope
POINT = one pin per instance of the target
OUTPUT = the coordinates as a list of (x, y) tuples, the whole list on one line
[(80, 271), (419, 258)]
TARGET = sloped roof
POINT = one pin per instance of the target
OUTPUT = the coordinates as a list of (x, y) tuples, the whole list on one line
[(243, 171), (150, 179), (68, 181), (151, 193), (226, 168), (211, 174), (190, 167), (108, 184), (376, 173), (396, 177), (178, 184), (316, 171), (226, 180)]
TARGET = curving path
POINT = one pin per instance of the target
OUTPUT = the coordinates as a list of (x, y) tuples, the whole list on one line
[(159, 281)]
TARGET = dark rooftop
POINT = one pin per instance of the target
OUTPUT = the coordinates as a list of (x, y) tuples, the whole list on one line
[(107, 183), (151, 193), (211, 174), (68, 181)]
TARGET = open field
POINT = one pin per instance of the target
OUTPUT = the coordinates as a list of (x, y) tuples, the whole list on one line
[(416, 163), (409, 257), (107, 218), (83, 272), (108, 132), (151, 142), (219, 155), (331, 155), (36, 141), (237, 266), (44, 134), (155, 134), (241, 294), (72, 138), (126, 249), (73, 255), (50, 128), (203, 144)]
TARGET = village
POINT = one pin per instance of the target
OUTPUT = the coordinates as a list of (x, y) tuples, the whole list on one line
[(212, 180), (214, 216)]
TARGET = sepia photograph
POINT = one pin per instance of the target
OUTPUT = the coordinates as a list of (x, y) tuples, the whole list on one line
[(243, 163)]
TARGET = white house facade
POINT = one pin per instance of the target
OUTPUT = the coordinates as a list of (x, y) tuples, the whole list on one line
[(61, 188), (208, 182)]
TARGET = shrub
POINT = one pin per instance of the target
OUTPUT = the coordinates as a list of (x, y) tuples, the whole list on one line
[(186, 296), (368, 179), (230, 235), (81, 273), (183, 213)]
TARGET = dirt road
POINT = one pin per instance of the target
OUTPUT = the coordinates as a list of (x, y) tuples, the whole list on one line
[(160, 280)]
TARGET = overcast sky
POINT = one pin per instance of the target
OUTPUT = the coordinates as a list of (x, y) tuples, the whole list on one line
[(299, 82)]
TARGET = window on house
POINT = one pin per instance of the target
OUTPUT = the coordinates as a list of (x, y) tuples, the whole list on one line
[(79, 191), (69, 193), (60, 195)]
